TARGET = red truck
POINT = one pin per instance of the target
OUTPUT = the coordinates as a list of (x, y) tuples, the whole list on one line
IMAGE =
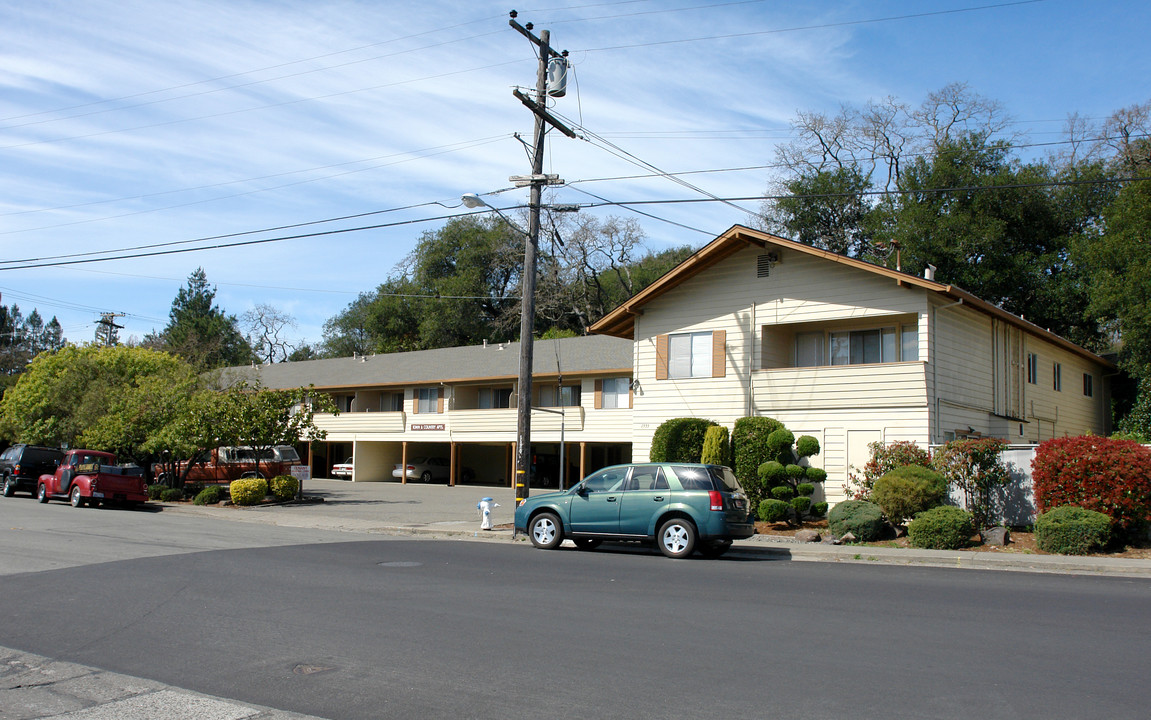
[(91, 477), (225, 464)]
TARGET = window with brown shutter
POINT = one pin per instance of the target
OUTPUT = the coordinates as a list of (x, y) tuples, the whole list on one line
[(719, 353), (660, 357)]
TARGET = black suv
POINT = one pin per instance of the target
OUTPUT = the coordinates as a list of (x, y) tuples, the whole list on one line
[(22, 465)]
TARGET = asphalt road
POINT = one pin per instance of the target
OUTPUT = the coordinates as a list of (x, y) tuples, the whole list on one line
[(306, 621)]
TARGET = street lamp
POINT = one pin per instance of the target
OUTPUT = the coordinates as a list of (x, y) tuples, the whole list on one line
[(527, 325)]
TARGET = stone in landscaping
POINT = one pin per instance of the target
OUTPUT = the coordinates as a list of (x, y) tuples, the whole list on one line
[(806, 536), (847, 538), (995, 536)]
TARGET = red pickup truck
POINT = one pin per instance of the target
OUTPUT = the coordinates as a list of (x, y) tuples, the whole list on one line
[(91, 477)]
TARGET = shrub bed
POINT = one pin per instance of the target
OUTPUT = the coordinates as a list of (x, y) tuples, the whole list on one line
[(862, 519), (1071, 530), (171, 495), (942, 528), (773, 510)]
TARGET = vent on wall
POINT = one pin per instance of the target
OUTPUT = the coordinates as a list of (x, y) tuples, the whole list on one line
[(764, 263)]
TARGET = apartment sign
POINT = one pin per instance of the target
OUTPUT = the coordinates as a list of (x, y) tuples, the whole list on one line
[(417, 427)]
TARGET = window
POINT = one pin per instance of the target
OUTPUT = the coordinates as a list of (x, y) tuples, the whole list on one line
[(859, 347), (613, 393), (428, 400), (391, 402), (909, 343), (554, 396), (647, 477), (495, 398), (1033, 368), (609, 480), (1088, 385), (809, 349), (689, 355), (1057, 376)]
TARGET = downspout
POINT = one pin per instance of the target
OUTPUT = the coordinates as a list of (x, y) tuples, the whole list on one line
[(931, 345), (751, 365)]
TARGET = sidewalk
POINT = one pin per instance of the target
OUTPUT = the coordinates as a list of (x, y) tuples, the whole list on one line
[(441, 512)]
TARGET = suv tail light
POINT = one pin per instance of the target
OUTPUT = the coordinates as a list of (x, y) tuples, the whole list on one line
[(716, 498)]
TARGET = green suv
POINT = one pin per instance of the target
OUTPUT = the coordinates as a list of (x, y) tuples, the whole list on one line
[(682, 507)]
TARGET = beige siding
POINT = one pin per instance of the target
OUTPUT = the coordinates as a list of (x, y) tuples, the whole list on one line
[(1068, 411)]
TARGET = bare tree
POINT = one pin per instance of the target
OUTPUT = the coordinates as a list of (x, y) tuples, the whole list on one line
[(266, 325)]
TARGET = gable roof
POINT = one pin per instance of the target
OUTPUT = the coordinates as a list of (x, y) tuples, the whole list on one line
[(621, 321), (579, 356)]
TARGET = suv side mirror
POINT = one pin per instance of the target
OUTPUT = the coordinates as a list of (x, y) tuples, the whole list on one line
[(581, 489)]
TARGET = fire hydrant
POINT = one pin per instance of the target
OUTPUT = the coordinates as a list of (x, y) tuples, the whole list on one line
[(485, 507)]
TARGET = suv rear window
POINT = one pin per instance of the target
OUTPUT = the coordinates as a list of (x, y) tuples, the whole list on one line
[(693, 478), (725, 478), (37, 455)]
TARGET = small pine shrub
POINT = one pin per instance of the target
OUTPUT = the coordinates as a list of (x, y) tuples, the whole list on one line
[(942, 528), (801, 505), (171, 495), (284, 487), (862, 519), (819, 509), (248, 491), (715, 446), (154, 491), (208, 496), (1071, 530), (783, 493), (771, 510), (907, 491), (805, 489)]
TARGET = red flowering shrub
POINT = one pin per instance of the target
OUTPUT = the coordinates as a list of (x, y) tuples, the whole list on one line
[(1097, 473)]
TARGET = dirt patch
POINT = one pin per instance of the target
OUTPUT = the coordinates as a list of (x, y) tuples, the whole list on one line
[(1020, 542)]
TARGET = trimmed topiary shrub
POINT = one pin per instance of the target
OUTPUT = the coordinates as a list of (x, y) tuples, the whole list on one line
[(1071, 530), (284, 487), (208, 496), (819, 509), (782, 492), (816, 475), (679, 440), (248, 491), (715, 446), (806, 446), (801, 505), (805, 490), (907, 491), (862, 519), (1097, 473), (942, 528), (171, 495), (795, 473), (771, 510)]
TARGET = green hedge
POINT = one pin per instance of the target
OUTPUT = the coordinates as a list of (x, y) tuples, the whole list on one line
[(171, 495), (248, 491), (749, 448), (715, 446), (862, 519), (284, 487), (1071, 530), (679, 440), (208, 496), (942, 528)]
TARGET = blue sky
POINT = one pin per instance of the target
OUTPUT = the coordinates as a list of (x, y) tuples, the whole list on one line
[(126, 123)]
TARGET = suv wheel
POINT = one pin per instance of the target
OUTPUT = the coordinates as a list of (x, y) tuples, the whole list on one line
[(545, 531), (9, 486), (676, 538)]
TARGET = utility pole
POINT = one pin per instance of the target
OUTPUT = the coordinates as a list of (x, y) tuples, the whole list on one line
[(106, 329), (538, 105)]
